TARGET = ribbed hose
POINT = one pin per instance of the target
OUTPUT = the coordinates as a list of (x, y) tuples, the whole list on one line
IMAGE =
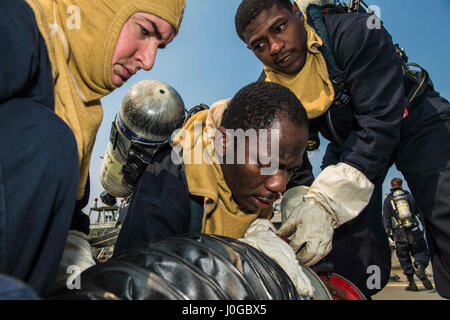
[(193, 266)]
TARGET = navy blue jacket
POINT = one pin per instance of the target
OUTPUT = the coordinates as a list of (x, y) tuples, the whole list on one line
[(24, 63), (370, 124)]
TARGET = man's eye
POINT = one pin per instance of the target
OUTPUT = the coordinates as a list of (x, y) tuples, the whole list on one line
[(258, 46), (280, 28), (144, 31)]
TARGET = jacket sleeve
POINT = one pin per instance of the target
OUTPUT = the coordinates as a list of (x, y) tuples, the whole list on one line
[(19, 57), (387, 213), (373, 77), (159, 207)]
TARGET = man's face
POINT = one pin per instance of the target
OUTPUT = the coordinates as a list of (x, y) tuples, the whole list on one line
[(250, 188), (136, 47), (277, 37)]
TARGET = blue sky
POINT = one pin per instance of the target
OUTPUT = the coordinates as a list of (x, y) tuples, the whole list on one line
[(207, 61)]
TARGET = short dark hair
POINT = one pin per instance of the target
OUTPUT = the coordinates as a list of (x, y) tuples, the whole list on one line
[(258, 105), (396, 183), (250, 9)]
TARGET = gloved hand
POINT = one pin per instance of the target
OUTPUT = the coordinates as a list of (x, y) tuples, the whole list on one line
[(308, 227), (309, 215), (391, 235), (261, 235), (391, 244)]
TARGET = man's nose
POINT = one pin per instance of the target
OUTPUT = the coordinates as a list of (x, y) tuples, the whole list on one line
[(275, 45), (146, 55), (277, 182)]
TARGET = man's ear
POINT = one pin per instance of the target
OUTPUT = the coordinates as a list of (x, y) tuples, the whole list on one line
[(295, 8)]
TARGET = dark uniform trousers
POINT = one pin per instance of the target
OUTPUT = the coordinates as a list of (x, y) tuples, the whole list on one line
[(410, 242)]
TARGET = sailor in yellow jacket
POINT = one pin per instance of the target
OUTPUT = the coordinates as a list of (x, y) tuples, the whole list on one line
[(59, 58), (235, 161)]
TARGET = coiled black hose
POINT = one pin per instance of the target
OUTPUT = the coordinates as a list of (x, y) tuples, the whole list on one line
[(193, 266)]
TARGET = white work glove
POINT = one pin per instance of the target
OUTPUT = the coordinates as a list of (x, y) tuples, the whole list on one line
[(261, 235), (391, 243), (309, 215), (77, 253)]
